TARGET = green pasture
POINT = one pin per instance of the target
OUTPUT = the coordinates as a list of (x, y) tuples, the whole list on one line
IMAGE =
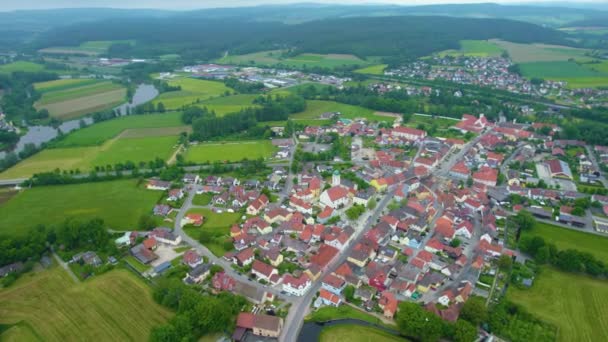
[(315, 108), (192, 91), (230, 151)]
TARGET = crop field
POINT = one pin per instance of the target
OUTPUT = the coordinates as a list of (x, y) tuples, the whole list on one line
[(372, 69), (90, 48), (356, 333), (230, 151), (70, 100), (570, 239), (577, 75), (576, 304), (118, 150), (21, 66), (474, 48), (120, 203), (315, 108), (62, 84), (100, 132), (229, 104), (193, 91), (525, 53), (306, 59), (49, 306)]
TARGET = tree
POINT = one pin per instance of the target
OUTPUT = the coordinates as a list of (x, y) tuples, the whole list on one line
[(414, 321), (464, 331), (474, 310), (371, 204), (525, 220), (505, 262), (455, 242), (349, 293)]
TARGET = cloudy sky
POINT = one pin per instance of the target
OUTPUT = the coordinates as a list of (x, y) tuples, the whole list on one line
[(9, 5)]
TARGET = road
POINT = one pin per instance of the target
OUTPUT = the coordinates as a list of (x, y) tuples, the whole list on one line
[(596, 165), (445, 166), (66, 267)]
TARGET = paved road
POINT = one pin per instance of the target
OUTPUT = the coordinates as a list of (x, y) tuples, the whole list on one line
[(591, 155)]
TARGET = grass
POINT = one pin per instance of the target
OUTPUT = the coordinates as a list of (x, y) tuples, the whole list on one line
[(141, 268), (230, 151), (315, 108), (21, 66), (565, 238), (372, 69), (48, 306), (100, 132), (55, 85), (356, 333), (475, 48), (274, 57), (441, 123), (193, 91), (229, 104), (328, 313), (218, 225), (525, 53), (202, 199), (120, 203), (89, 48), (576, 304), (577, 75), (114, 151)]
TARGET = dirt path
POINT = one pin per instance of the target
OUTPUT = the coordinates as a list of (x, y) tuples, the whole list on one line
[(173, 157), (65, 266)]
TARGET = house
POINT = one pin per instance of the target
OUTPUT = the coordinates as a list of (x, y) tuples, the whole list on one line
[(328, 298), (277, 215), (324, 255), (263, 271), (296, 286), (486, 176), (274, 256), (192, 259), (300, 205), (244, 257), (155, 184), (333, 284), (193, 219), (362, 197), (197, 274), (161, 210), (464, 229), (335, 197), (388, 303), (469, 123), (143, 254), (325, 214), (165, 235), (88, 258), (223, 282), (260, 325), (11, 268), (408, 133), (191, 178), (558, 169), (257, 205), (460, 171)]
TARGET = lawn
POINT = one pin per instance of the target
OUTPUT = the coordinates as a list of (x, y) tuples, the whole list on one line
[(576, 304), (372, 69), (577, 75), (135, 150), (328, 313), (274, 57), (565, 238), (315, 108), (120, 203), (21, 66), (141, 268), (475, 48), (525, 53), (356, 333), (229, 104), (100, 132), (193, 91), (49, 306), (230, 151), (216, 224), (203, 199)]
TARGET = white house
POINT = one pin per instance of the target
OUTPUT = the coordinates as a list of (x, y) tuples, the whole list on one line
[(335, 197), (296, 286)]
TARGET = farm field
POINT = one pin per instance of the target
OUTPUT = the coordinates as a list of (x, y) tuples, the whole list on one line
[(120, 203), (314, 109), (373, 69), (576, 304), (306, 59), (193, 91), (230, 151), (21, 66), (118, 150), (90, 48), (570, 239), (49, 306), (100, 132), (67, 100), (229, 104), (577, 76), (356, 333), (525, 53), (474, 48), (62, 84)]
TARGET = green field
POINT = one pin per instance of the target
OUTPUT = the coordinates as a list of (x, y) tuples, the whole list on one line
[(576, 304), (193, 91), (565, 238), (203, 199), (525, 53), (118, 150), (49, 306), (230, 151), (577, 75), (120, 203), (90, 48), (597, 30), (315, 108), (67, 99), (441, 123), (373, 69), (21, 66), (229, 104), (328, 313), (100, 132), (356, 333), (474, 48), (270, 58), (218, 225)]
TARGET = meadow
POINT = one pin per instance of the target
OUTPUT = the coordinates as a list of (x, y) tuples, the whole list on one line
[(117, 150), (570, 239), (49, 306), (120, 203), (230, 151), (274, 57), (67, 99), (89, 48), (356, 333), (229, 104), (441, 123), (525, 53), (218, 225), (474, 48), (577, 75), (192, 91), (576, 304), (314, 109), (21, 66), (372, 69), (100, 132)]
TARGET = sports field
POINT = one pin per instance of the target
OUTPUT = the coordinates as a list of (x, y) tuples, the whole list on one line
[(66, 99), (356, 333), (577, 75), (117, 150), (565, 238), (475, 48), (576, 304), (21, 66), (274, 57), (315, 108), (193, 91), (230, 151), (49, 306), (100, 132), (525, 53), (120, 203), (373, 69), (229, 104)]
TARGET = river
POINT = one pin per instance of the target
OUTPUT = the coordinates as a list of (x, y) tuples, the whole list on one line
[(311, 331), (40, 134)]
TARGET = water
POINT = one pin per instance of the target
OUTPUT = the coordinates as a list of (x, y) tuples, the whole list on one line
[(40, 134)]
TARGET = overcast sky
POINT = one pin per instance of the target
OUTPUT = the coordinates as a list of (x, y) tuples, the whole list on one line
[(9, 5)]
